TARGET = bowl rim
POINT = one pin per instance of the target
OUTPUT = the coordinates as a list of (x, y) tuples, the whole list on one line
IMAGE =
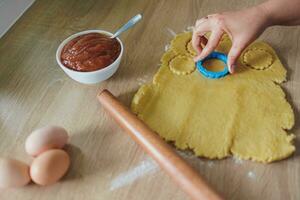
[(65, 41)]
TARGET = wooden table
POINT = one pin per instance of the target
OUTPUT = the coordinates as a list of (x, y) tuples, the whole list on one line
[(106, 163)]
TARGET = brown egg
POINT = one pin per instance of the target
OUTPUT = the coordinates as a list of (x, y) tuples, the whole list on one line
[(13, 173), (43, 139), (49, 167)]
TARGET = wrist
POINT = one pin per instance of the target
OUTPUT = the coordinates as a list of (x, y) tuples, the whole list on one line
[(266, 14)]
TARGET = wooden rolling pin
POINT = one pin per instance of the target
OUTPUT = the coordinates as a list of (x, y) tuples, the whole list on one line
[(179, 170)]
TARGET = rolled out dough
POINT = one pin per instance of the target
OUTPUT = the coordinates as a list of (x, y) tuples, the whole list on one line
[(245, 114)]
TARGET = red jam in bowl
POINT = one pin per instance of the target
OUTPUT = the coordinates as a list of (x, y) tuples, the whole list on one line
[(90, 52)]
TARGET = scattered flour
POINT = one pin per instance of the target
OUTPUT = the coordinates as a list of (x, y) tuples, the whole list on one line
[(167, 46), (210, 164), (189, 29), (142, 81), (237, 160), (142, 169), (185, 154), (251, 175), (171, 32)]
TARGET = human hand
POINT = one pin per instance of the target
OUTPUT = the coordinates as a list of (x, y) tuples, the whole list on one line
[(242, 26)]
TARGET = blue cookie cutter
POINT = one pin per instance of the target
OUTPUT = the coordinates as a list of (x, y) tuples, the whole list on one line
[(211, 74)]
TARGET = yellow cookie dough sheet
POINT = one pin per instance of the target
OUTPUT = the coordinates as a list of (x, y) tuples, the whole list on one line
[(245, 114)]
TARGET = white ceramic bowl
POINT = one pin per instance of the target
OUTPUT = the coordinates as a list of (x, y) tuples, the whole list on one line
[(93, 76)]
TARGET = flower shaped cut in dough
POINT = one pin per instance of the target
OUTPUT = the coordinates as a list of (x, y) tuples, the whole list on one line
[(245, 114), (257, 58), (182, 65)]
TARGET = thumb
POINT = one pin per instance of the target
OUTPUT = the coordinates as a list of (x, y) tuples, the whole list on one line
[(233, 55)]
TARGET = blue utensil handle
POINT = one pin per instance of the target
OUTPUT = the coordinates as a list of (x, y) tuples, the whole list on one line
[(128, 25)]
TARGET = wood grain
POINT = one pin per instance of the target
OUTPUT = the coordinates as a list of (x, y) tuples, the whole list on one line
[(177, 168), (35, 92)]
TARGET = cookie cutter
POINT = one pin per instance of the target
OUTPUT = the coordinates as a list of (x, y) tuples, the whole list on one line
[(211, 74)]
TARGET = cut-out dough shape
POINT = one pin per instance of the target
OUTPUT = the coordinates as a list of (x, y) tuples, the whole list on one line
[(180, 45), (257, 58), (182, 65), (245, 114), (190, 48)]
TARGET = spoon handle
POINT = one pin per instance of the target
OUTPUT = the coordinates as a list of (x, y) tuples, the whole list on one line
[(128, 25)]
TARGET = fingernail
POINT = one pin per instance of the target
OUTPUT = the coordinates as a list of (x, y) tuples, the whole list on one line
[(199, 57), (231, 70)]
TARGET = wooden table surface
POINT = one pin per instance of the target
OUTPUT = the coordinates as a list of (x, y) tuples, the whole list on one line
[(106, 163)]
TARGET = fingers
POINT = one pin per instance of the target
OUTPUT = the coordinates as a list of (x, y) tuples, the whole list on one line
[(234, 53), (212, 23), (196, 43), (203, 40), (201, 27), (199, 41), (212, 43)]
